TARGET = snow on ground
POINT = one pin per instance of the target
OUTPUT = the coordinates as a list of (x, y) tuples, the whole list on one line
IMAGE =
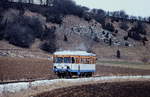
[(16, 87)]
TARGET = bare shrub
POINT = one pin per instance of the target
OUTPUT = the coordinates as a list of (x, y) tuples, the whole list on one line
[(145, 57)]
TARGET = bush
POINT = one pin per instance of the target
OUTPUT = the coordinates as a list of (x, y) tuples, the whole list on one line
[(134, 35), (118, 54), (126, 44), (136, 31), (116, 31), (96, 39), (49, 33), (49, 37), (110, 41), (34, 24), (66, 7), (144, 39), (109, 27), (125, 37), (65, 38), (2, 27), (87, 16), (99, 15), (145, 59), (49, 46), (124, 26), (139, 28), (19, 35), (54, 18), (22, 31)]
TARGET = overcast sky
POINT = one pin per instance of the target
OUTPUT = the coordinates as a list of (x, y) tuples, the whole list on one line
[(131, 7)]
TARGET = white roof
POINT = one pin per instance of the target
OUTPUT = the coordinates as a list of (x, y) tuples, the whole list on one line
[(80, 53)]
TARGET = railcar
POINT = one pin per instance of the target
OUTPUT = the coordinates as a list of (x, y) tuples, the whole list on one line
[(74, 63)]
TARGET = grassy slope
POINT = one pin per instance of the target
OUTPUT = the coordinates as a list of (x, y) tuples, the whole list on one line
[(126, 64)]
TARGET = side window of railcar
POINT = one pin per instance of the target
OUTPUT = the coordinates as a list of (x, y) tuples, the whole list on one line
[(94, 60), (83, 60), (67, 60), (77, 60), (88, 61), (59, 60)]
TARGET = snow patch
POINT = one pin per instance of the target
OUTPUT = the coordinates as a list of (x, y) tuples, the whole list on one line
[(14, 87)]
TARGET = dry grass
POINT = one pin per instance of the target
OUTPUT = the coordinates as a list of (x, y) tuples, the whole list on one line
[(125, 64)]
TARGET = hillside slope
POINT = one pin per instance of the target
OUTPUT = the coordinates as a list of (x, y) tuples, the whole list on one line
[(28, 29)]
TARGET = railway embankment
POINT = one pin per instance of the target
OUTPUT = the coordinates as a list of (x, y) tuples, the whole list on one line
[(40, 86)]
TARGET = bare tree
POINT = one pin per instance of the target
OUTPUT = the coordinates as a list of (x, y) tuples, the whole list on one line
[(145, 56), (118, 54)]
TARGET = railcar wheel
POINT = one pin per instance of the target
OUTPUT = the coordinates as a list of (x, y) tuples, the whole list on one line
[(59, 75), (82, 75), (63, 75), (68, 75), (89, 74)]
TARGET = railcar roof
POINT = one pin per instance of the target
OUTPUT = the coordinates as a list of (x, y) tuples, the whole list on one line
[(78, 53)]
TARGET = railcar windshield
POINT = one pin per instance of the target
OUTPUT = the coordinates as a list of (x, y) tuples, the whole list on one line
[(59, 60)]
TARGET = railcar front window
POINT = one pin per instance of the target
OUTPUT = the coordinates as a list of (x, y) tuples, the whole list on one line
[(59, 60)]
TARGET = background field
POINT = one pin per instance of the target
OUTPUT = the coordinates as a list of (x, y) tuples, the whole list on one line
[(22, 69), (25, 68)]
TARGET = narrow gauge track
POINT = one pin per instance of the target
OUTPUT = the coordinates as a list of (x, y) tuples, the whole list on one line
[(32, 80), (18, 81)]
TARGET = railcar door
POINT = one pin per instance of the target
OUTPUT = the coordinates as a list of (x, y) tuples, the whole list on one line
[(78, 69)]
